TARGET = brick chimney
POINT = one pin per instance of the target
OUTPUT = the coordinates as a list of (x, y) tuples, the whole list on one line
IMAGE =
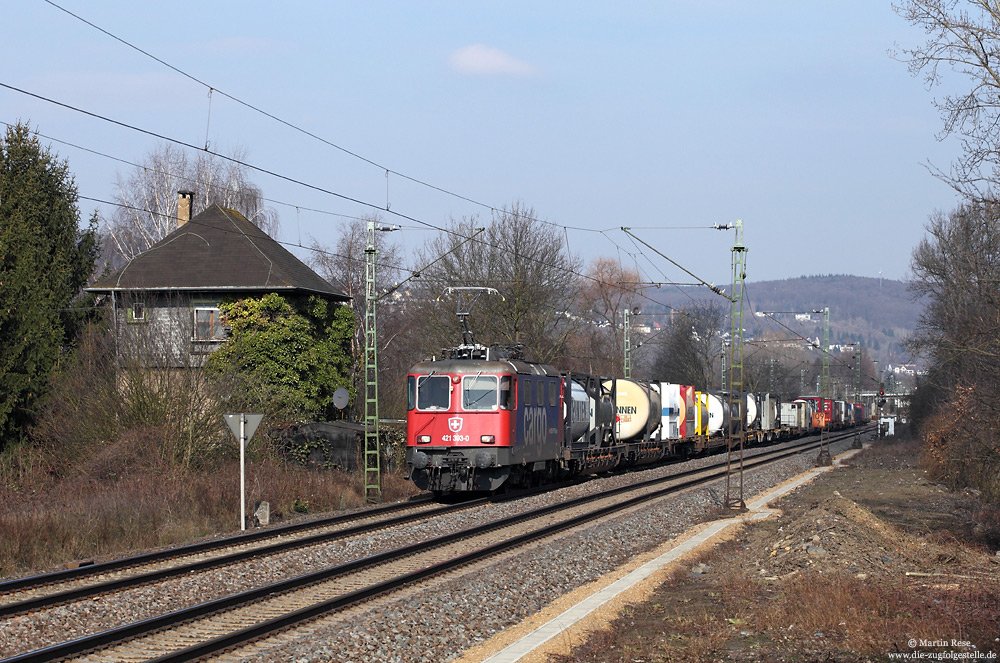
[(185, 201)]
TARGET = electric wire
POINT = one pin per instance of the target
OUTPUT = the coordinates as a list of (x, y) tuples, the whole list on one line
[(819, 347), (180, 176), (277, 175), (311, 186), (211, 88), (194, 222)]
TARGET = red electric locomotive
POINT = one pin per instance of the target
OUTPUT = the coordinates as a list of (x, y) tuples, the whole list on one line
[(483, 418), (474, 418)]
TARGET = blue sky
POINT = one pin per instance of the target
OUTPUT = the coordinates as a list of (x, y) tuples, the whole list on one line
[(659, 116)]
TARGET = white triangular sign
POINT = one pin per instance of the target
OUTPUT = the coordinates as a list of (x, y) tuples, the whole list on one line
[(249, 428)]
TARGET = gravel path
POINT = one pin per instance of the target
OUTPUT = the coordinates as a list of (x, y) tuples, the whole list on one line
[(439, 620)]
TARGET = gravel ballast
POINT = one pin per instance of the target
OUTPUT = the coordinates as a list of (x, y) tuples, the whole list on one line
[(440, 619)]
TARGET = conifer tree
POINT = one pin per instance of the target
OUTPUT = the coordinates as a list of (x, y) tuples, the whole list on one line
[(45, 259)]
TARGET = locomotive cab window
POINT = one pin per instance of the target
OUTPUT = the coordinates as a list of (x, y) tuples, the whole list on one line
[(479, 392), (433, 392), (506, 401)]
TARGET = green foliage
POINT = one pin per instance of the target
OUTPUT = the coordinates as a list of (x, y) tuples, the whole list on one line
[(286, 358), (44, 261)]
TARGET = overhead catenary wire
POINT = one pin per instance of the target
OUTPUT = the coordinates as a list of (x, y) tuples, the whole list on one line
[(290, 125), (302, 183), (265, 171), (213, 88), (710, 286), (414, 273), (662, 273), (194, 222), (181, 176), (818, 347), (386, 208)]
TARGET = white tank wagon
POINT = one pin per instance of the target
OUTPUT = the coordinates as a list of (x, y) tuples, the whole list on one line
[(639, 409)]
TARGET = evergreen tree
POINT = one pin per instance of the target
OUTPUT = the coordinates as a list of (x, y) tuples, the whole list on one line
[(45, 259)]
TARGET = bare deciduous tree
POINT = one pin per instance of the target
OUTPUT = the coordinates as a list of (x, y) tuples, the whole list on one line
[(344, 266), (147, 197), (523, 258), (957, 406), (957, 268), (606, 291), (962, 36), (693, 347)]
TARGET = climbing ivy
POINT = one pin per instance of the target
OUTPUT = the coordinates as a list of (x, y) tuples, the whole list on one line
[(285, 356)]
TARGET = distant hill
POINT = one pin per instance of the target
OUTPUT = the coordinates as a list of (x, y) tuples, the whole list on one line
[(879, 314)]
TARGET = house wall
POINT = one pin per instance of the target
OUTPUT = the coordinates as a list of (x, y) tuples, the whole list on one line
[(167, 330)]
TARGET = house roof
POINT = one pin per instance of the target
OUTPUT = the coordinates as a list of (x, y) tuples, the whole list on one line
[(217, 250)]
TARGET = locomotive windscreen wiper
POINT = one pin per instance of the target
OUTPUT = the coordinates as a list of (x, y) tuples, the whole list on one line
[(485, 392)]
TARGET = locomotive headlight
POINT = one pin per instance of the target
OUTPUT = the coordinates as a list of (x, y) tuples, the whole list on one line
[(423, 439), (486, 439)]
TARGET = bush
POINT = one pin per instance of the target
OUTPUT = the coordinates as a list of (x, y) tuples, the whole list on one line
[(284, 357), (99, 403), (961, 446)]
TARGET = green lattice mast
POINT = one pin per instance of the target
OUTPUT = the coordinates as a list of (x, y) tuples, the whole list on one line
[(373, 474), (737, 399), (627, 333), (825, 398)]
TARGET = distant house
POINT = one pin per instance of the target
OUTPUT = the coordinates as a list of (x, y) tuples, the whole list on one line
[(165, 301)]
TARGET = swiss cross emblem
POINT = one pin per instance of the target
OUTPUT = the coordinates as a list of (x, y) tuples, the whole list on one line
[(455, 424)]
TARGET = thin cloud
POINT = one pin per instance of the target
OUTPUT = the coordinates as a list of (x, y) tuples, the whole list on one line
[(480, 60)]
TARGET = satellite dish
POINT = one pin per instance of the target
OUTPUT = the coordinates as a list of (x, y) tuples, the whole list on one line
[(340, 398)]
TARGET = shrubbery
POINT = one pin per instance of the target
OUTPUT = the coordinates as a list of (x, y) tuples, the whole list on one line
[(956, 407), (284, 357), (127, 454)]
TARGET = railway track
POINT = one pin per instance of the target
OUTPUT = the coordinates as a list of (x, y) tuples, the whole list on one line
[(30, 593), (218, 625)]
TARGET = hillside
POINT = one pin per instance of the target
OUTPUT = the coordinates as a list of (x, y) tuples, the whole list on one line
[(879, 314)]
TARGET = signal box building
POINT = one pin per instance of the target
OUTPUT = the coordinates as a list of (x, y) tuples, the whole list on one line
[(165, 301)]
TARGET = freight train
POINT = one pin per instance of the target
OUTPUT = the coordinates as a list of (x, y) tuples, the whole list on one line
[(482, 419)]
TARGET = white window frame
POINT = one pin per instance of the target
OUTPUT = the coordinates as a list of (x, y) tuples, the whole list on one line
[(130, 315)]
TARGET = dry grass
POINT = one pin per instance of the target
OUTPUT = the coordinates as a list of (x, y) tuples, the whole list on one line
[(901, 563), (866, 616), (808, 617), (126, 455), (122, 499)]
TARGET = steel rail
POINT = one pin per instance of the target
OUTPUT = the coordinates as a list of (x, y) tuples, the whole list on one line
[(47, 600), (39, 580), (220, 644), (56, 598), (107, 638)]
